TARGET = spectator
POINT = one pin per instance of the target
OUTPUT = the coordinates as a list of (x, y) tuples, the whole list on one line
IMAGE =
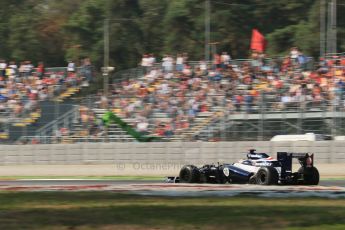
[(71, 67), (14, 69), (225, 60), (151, 61), (40, 70), (294, 52), (167, 64), (179, 63), (28, 67), (22, 70), (302, 61), (3, 66), (86, 70), (216, 61), (146, 62), (142, 126)]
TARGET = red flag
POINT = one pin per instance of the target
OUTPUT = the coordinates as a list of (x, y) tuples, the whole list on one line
[(258, 42)]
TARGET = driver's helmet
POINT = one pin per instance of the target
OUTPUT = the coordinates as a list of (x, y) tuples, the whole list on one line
[(252, 155)]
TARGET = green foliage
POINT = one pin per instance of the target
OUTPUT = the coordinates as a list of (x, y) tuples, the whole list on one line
[(178, 28), (57, 30), (305, 35), (281, 39), (85, 30), (23, 39)]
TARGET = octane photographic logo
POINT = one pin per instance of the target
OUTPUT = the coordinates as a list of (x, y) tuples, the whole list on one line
[(120, 166), (148, 166)]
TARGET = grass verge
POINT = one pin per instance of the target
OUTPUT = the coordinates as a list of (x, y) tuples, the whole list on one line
[(107, 210)]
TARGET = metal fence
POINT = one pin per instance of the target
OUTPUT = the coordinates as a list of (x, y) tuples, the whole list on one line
[(220, 120), (266, 122)]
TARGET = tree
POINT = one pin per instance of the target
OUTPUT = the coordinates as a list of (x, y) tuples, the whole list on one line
[(23, 41), (84, 30), (56, 30), (304, 35)]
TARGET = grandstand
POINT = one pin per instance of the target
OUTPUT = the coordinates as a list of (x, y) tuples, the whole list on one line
[(251, 99), (28, 100)]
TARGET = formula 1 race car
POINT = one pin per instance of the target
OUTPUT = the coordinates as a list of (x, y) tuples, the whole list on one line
[(258, 168)]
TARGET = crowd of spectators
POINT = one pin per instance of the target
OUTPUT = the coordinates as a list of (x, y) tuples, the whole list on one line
[(87, 125), (178, 90), (23, 86), (19, 88), (174, 91)]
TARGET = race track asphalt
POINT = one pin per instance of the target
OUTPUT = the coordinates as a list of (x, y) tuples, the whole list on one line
[(326, 188), (91, 182)]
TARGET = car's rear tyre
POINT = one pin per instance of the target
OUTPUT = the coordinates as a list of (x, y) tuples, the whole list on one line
[(189, 174), (310, 176), (267, 176)]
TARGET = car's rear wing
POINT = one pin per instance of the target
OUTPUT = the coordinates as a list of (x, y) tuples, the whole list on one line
[(285, 159)]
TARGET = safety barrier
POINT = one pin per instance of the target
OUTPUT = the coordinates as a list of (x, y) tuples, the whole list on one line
[(168, 153)]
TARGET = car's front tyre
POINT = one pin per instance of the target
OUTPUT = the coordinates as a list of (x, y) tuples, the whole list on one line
[(267, 176), (252, 180), (189, 174)]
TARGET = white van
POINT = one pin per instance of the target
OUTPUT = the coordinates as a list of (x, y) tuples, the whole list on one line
[(301, 137), (339, 138)]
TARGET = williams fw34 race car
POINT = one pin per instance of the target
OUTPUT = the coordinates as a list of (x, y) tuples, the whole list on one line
[(258, 168)]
